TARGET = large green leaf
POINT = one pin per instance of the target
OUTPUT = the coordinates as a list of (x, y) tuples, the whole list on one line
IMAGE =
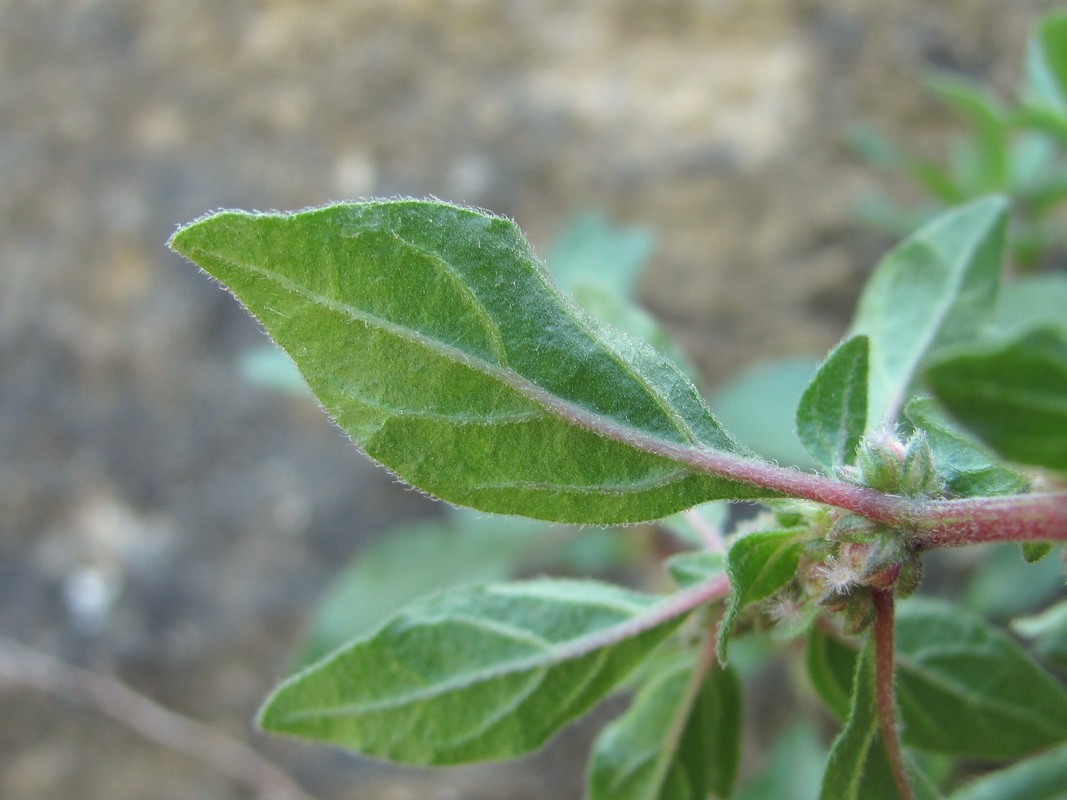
[(478, 673), (969, 468), (936, 288), (759, 564), (1039, 778), (1012, 394), (963, 687), (832, 414), (436, 340), (679, 740)]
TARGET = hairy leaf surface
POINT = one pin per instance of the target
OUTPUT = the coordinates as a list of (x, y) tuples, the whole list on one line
[(679, 740), (936, 288), (832, 414), (478, 673), (434, 337)]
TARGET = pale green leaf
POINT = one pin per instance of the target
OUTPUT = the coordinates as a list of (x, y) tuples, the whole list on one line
[(831, 665), (969, 468), (793, 769), (989, 171), (478, 673), (1046, 63), (936, 288), (697, 525), (679, 740), (592, 249), (1011, 393), (759, 407), (418, 560), (436, 340), (1032, 301), (759, 564), (689, 569), (1047, 632), (1042, 777), (832, 414)]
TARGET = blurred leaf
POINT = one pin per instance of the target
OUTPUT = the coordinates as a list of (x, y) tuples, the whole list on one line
[(1032, 301), (1035, 551), (1004, 586), (435, 339), (477, 673), (936, 288), (832, 414), (969, 468), (1047, 632), (1038, 778), (679, 740), (271, 368), (964, 687), (759, 408), (831, 665), (689, 569), (989, 171), (591, 249), (694, 524), (1011, 393), (759, 564), (793, 769), (1046, 63), (418, 560)]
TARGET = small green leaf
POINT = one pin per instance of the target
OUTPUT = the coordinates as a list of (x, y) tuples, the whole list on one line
[(592, 249), (759, 564), (1038, 778), (966, 688), (689, 569), (858, 767), (759, 408), (936, 288), (1012, 394), (418, 560), (832, 414), (1035, 551), (1046, 63), (968, 467), (436, 340), (679, 740), (478, 673), (831, 666)]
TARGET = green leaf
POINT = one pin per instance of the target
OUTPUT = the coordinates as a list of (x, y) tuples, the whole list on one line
[(759, 564), (936, 288), (968, 467), (272, 368), (1032, 301), (1005, 586), (479, 673), (696, 525), (436, 340), (1038, 778), (418, 560), (1046, 63), (858, 767), (1012, 394), (1035, 551), (793, 769), (1047, 631), (832, 414), (689, 569), (966, 688), (592, 249), (990, 169), (831, 665), (759, 408), (679, 740)]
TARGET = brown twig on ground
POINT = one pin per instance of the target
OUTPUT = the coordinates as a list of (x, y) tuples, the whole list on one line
[(48, 675)]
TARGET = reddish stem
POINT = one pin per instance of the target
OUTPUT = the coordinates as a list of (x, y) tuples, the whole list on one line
[(1016, 518), (885, 700)]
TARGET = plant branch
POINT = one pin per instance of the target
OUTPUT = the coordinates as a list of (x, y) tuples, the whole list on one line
[(884, 695), (1015, 518), (22, 665)]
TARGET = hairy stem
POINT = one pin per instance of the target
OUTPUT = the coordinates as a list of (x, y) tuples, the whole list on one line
[(1016, 518), (884, 696)]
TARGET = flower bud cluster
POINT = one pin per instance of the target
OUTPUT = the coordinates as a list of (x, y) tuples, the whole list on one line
[(884, 461)]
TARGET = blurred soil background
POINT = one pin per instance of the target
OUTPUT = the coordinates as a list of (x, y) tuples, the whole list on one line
[(169, 525)]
